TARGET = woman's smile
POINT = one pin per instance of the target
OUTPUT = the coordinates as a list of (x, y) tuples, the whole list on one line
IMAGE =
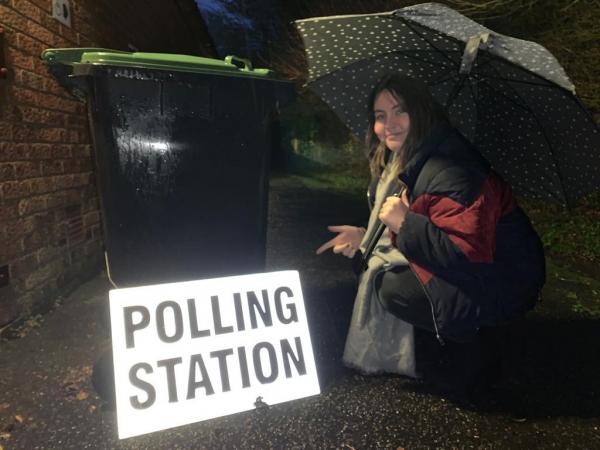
[(391, 123)]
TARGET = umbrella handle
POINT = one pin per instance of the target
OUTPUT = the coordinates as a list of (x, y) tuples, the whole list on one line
[(364, 260)]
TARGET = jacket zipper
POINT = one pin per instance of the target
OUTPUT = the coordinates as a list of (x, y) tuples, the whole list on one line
[(435, 324)]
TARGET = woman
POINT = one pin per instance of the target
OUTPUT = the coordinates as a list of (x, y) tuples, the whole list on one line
[(474, 260)]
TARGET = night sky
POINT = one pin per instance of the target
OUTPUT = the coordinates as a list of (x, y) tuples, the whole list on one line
[(241, 27)]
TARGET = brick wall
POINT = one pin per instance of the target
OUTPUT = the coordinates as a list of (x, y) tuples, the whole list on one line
[(50, 224)]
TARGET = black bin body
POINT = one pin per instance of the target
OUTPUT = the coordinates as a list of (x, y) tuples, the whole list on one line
[(182, 167)]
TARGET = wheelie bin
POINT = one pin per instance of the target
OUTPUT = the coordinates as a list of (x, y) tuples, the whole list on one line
[(182, 148)]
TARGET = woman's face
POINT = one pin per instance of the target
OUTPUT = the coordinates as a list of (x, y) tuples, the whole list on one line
[(392, 123)]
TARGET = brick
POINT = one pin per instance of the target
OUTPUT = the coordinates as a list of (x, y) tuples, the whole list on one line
[(63, 182), (32, 205), (30, 46), (60, 151), (40, 151), (24, 132), (77, 253), (81, 109), (83, 12), (97, 232), (9, 35), (82, 179), (49, 253), (9, 211), (19, 228), (26, 169), (10, 112), (41, 33), (43, 274), (15, 189), (44, 220), (5, 131), (75, 165), (24, 265), (33, 241), (87, 33), (56, 200), (73, 137), (48, 21), (17, 58), (28, 9), (91, 218), (82, 150), (31, 114), (7, 172), (73, 197), (88, 191), (28, 132), (91, 203), (11, 249), (13, 229), (11, 18), (94, 247), (42, 185), (68, 34), (51, 134), (53, 87), (52, 167), (30, 79), (75, 121), (50, 101)]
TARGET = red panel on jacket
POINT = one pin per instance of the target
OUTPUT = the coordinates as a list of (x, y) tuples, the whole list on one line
[(472, 228)]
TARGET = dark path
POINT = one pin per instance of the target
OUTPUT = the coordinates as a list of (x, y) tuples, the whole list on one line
[(552, 400)]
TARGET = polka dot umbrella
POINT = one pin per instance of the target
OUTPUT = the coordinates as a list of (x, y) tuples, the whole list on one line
[(508, 96)]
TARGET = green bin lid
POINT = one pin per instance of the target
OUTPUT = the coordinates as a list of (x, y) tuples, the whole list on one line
[(161, 61)]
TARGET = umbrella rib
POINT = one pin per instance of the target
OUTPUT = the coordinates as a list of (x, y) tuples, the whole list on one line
[(408, 54), (546, 81), (414, 30), (536, 118), (342, 68), (514, 80)]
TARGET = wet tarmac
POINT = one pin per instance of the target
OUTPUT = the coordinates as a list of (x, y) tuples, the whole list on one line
[(549, 397)]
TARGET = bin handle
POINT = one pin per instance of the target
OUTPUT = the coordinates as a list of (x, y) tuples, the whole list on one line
[(231, 58)]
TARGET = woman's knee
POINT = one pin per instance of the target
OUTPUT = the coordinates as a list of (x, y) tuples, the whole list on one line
[(390, 293)]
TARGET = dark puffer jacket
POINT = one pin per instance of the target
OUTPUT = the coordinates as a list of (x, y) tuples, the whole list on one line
[(474, 250)]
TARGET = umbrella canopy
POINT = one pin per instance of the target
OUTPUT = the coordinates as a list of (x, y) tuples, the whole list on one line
[(510, 97)]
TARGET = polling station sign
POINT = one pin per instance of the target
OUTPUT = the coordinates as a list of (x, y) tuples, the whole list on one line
[(191, 351)]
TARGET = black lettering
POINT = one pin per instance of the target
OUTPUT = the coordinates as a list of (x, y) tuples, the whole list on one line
[(216, 310), (143, 385), (258, 369), (222, 355), (197, 361), (169, 365), (298, 359), (291, 307), (265, 311), (239, 314), (244, 367), (160, 321), (130, 327), (195, 332)]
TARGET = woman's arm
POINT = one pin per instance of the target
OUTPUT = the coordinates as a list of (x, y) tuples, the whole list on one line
[(441, 232)]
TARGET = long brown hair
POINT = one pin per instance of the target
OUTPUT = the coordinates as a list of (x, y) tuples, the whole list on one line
[(424, 113)]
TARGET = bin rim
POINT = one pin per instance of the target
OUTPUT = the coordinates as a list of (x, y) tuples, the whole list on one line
[(77, 57)]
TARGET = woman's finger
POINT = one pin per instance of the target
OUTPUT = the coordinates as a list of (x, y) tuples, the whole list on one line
[(339, 248), (337, 228), (327, 245), (349, 251), (405, 197)]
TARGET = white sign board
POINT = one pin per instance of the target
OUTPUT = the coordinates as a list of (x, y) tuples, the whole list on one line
[(186, 352)]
